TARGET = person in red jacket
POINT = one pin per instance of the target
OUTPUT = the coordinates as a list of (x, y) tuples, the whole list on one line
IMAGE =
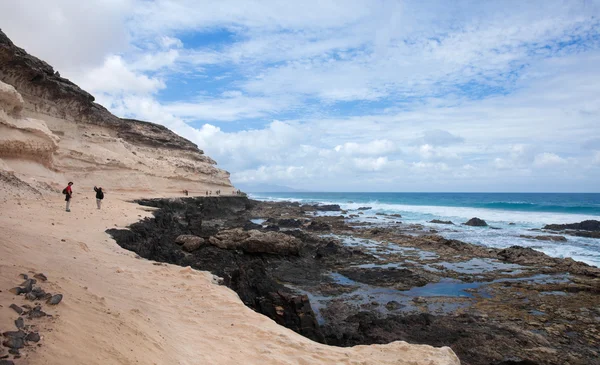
[(68, 195)]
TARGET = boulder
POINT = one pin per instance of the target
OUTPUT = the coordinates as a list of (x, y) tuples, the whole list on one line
[(257, 242), (475, 222), (190, 243), (364, 208)]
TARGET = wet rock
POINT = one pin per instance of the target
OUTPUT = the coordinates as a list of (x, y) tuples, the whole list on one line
[(289, 223), (588, 225), (32, 337), (19, 323), (441, 222), (400, 279), (16, 308), (545, 238), (393, 305), (476, 222), (6, 362), (326, 207), (40, 277), (55, 299), (272, 228), (364, 208), (318, 226), (248, 226)]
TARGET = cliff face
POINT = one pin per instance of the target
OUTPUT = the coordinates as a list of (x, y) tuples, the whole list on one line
[(51, 131)]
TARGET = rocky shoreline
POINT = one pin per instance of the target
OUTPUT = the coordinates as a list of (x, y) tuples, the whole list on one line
[(313, 270)]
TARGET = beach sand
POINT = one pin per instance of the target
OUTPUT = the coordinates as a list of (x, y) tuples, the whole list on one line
[(119, 309)]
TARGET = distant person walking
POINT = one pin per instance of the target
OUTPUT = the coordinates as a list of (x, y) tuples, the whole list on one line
[(99, 196), (68, 195)]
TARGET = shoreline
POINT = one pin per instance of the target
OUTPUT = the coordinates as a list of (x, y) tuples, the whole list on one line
[(121, 309), (458, 287)]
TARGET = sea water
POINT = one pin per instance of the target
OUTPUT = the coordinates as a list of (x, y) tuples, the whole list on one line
[(514, 214)]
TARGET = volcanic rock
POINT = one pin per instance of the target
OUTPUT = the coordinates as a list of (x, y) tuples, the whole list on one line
[(476, 222), (442, 222), (589, 225), (19, 323), (364, 208), (545, 238), (190, 243), (318, 226), (257, 242), (32, 337), (55, 299), (16, 308)]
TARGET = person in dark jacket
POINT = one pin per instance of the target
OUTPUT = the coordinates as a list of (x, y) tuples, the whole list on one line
[(68, 191), (99, 196)]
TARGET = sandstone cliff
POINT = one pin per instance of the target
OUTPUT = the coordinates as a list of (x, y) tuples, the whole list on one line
[(51, 132)]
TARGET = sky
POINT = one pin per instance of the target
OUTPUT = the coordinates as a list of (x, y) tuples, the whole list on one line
[(346, 95)]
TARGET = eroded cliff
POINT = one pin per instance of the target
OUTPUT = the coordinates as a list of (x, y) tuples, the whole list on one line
[(51, 131)]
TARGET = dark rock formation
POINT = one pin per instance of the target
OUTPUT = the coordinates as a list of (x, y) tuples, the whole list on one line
[(545, 238), (476, 222), (318, 226), (324, 207), (441, 222), (589, 225), (364, 208)]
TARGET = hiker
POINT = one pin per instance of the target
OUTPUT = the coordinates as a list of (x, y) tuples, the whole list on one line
[(68, 195), (99, 196)]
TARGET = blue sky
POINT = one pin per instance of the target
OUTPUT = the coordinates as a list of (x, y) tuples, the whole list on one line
[(346, 95)]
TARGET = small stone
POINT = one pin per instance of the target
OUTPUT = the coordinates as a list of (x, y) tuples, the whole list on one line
[(31, 296), (36, 313), (6, 362), (27, 285), (55, 299), (19, 323), (16, 290), (16, 308), (32, 337), (63, 240), (40, 277)]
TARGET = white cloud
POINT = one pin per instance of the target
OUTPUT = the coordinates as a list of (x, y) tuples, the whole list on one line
[(376, 147), (115, 76), (548, 160)]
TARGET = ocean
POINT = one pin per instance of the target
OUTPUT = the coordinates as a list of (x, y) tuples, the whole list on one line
[(515, 214)]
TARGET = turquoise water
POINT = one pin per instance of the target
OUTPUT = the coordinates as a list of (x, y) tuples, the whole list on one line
[(514, 213)]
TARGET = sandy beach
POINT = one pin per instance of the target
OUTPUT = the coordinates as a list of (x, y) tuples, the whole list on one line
[(119, 309)]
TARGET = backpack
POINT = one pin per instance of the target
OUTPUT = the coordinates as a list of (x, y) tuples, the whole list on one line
[(65, 191)]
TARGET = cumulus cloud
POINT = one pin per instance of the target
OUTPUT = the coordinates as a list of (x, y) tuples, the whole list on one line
[(548, 160), (115, 76)]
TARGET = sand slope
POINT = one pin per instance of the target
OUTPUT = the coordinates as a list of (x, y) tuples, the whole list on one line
[(119, 309)]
